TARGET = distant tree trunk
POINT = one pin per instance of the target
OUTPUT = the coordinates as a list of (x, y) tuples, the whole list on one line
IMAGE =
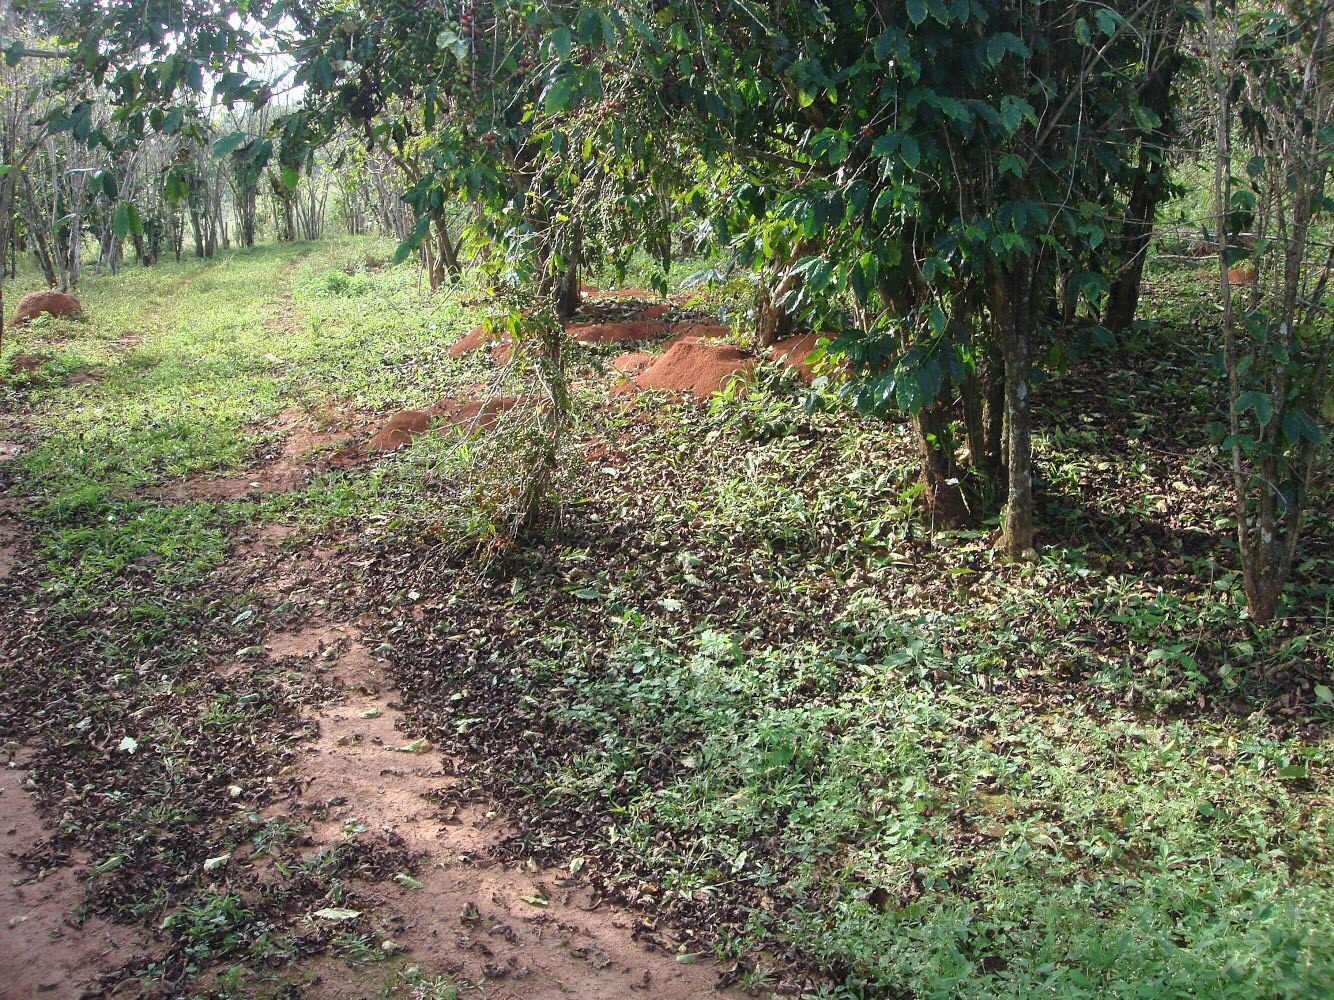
[(439, 255), (772, 321), (35, 224), (197, 230), (1148, 188)]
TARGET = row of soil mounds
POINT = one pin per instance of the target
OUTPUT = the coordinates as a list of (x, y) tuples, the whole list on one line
[(696, 360)]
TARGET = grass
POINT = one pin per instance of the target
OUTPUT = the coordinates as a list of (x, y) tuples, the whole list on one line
[(741, 680)]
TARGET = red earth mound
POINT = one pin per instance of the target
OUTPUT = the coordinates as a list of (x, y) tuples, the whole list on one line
[(452, 414), (793, 351), (35, 303), (1241, 276), (621, 293), (399, 429), (618, 333), (477, 338), (698, 331), (655, 312), (695, 366), (633, 363), (24, 363)]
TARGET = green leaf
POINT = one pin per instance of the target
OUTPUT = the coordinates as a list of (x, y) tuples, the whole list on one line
[(1082, 33), (1108, 21), (413, 240), (910, 151), (1297, 426), (125, 221), (557, 97), (227, 143), (561, 42), (104, 181), (886, 144), (1257, 401), (916, 11)]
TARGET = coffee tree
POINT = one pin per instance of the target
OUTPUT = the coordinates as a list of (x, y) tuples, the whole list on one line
[(1270, 76)]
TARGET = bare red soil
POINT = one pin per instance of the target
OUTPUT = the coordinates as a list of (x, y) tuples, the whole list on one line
[(399, 430), (477, 338), (25, 363), (530, 933), (47, 946), (793, 352), (633, 363)]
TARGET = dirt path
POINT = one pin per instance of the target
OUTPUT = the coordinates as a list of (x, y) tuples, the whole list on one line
[(524, 933), (518, 932), (47, 948)]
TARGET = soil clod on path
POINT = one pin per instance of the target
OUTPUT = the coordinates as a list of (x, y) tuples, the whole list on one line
[(447, 415)]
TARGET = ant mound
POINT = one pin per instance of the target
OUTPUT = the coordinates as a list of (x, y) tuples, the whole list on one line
[(465, 414), (633, 363), (695, 366), (453, 414), (54, 303), (24, 364), (620, 293), (399, 429), (477, 338), (793, 353), (699, 331), (1241, 276), (618, 333)]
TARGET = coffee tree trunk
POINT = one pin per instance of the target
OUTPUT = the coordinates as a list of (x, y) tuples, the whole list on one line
[(1012, 310), (941, 480)]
